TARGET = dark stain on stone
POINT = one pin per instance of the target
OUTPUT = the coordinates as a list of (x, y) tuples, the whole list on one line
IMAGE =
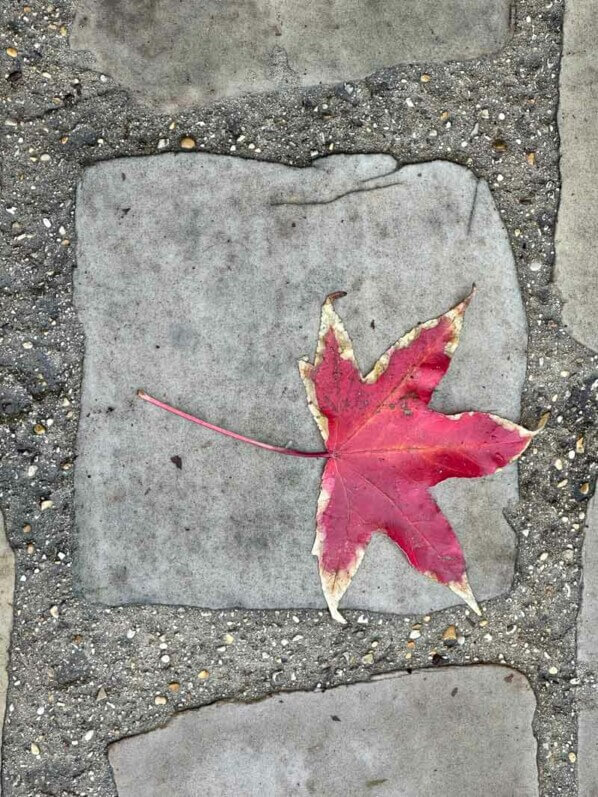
[(176, 460)]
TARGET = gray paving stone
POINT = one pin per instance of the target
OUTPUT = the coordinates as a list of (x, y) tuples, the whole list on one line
[(460, 733), (588, 753), (200, 51), (577, 227), (588, 618), (200, 279)]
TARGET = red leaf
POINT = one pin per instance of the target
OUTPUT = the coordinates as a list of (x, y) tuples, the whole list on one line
[(387, 447)]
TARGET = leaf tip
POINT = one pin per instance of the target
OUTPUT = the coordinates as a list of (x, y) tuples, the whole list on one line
[(336, 615), (464, 303), (332, 297), (333, 587), (464, 591)]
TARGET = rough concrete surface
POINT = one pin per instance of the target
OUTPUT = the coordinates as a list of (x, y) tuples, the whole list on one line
[(577, 228), (217, 48), (7, 581), (363, 739), (200, 279), (83, 675), (588, 656)]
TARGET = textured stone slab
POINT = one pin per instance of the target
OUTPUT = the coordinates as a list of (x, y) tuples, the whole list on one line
[(577, 228), (588, 753), (588, 617), (459, 733), (199, 50), (200, 279)]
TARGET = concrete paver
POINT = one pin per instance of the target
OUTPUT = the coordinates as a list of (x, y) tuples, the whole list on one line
[(200, 279), (460, 733), (588, 618), (217, 48), (588, 753), (577, 226)]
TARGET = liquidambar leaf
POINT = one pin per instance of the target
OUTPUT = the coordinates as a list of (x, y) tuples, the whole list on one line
[(387, 447)]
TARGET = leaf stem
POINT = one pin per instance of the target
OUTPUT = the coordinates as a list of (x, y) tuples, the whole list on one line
[(291, 452)]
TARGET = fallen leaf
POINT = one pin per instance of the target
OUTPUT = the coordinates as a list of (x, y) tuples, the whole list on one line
[(177, 461), (385, 448)]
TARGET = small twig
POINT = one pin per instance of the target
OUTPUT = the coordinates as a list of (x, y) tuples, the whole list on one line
[(291, 452)]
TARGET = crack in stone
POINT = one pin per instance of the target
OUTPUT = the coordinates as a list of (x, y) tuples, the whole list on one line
[(472, 209), (308, 202), (394, 170)]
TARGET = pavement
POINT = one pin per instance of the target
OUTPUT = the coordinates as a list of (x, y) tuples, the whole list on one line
[(180, 190)]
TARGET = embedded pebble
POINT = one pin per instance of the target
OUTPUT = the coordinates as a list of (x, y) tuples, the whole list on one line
[(449, 636)]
